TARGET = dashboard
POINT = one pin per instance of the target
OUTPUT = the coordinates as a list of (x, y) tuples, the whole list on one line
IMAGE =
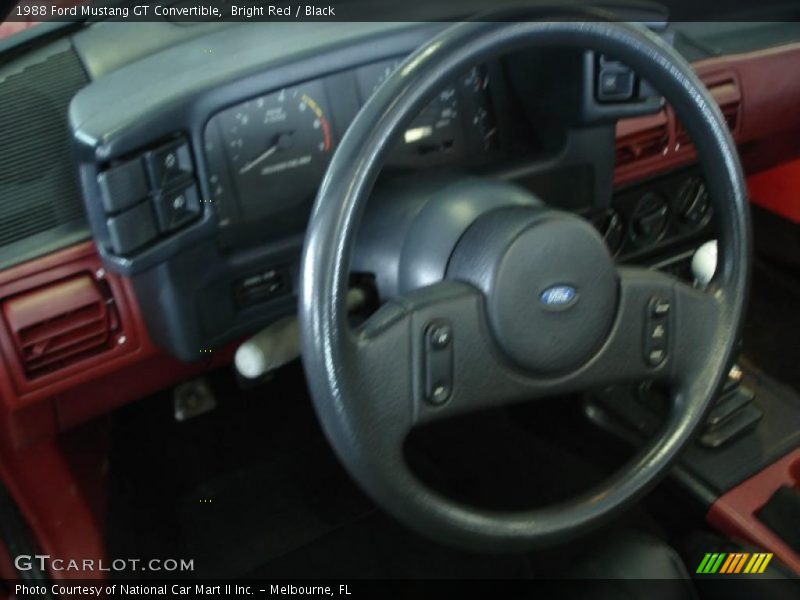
[(199, 188)]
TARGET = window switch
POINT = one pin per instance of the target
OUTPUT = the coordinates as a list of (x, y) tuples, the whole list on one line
[(132, 229), (122, 186)]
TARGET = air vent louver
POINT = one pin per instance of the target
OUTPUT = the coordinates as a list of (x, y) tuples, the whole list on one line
[(60, 324), (729, 99), (641, 137)]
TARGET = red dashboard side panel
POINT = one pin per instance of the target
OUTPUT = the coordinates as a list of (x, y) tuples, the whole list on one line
[(63, 522), (778, 190), (735, 512), (108, 392), (37, 408), (18, 389), (769, 111), (59, 481), (29, 424)]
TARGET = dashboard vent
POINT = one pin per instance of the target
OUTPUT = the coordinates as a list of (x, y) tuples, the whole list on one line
[(40, 203), (729, 98), (61, 324), (641, 137)]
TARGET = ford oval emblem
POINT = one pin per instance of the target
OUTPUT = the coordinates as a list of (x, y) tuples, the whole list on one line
[(558, 297)]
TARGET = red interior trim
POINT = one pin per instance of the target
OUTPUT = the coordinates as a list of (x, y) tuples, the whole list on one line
[(19, 389), (734, 513), (37, 408), (769, 107), (63, 522), (778, 190), (59, 482)]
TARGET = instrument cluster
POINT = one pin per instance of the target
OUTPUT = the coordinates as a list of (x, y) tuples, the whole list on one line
[(268, 154)]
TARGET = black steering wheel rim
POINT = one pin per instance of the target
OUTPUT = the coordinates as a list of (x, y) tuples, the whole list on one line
[(348, 388)]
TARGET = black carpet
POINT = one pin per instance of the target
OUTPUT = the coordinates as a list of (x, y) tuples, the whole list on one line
[(770, 337), (233, 488)]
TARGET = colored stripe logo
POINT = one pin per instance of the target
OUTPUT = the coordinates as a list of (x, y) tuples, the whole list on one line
[(734, 563)]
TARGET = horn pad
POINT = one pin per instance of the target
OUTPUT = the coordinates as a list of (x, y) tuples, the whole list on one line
[(550, 284)]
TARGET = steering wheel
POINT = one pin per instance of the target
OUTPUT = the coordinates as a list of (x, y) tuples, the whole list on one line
[(530, 303)]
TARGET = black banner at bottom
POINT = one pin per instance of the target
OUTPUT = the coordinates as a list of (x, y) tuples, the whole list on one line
[(606, 589)]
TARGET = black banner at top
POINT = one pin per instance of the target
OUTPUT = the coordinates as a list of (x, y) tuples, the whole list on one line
[(390, 10)]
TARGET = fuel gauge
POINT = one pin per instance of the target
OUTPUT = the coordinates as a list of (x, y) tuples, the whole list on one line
[(479, 111), (435, 136)]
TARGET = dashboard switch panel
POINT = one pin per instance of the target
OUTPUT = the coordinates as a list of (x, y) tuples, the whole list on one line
[(122, 186), (614, 83)]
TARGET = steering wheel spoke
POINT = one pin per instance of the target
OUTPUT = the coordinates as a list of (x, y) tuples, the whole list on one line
[(429, 354), (663, 328)]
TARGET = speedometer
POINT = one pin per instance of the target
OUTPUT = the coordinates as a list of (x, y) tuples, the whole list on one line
[(278, 146)]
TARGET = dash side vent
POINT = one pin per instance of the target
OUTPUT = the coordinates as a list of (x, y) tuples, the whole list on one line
[(729, 98), (61, 324), (641, 137)]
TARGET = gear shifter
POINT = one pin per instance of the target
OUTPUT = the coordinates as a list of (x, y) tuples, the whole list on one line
[(734, 411), (704, 263)]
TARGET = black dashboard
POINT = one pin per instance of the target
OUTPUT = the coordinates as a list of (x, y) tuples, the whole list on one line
[(199, 160), (199, 165)]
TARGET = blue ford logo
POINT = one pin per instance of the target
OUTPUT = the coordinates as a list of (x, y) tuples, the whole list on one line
[(558, 296)]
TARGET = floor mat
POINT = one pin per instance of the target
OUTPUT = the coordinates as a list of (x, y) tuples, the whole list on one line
[(234, 488), (239, 521), (377, 547), (770, 337)]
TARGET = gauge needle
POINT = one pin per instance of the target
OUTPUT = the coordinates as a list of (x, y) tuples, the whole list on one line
[(259, 159), (283, 142)]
